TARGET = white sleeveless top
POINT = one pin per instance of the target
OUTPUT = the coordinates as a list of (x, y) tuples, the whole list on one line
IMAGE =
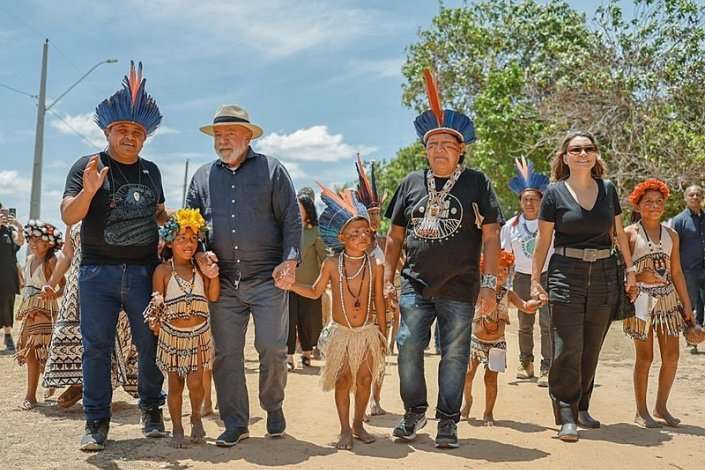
[(33, 280)]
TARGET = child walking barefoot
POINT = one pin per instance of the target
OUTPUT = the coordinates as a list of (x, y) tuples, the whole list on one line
[(663, 293), (178, 314), (36, 314), (488, 342), (353, 346)]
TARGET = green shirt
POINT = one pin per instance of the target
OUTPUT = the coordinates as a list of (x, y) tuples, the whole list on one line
[(313, 252)]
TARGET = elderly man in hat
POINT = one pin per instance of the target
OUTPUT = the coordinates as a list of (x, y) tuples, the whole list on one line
[(249, 203), (445, 216), (119, 197)]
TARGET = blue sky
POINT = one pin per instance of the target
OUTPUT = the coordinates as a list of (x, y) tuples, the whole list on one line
[(321, 77)]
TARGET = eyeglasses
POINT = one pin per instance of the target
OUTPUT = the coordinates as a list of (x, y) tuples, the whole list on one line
[(589, 149)]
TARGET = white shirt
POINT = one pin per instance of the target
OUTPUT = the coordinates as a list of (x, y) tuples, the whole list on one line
[(520, 239)]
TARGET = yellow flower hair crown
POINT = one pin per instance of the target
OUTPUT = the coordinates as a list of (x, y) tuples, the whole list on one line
[(180, 221)]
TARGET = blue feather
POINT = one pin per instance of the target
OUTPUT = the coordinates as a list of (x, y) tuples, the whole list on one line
[(119, 107), (454, 120), (537, 181)]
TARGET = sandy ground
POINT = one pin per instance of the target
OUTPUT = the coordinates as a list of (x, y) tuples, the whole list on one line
[(47, 437)]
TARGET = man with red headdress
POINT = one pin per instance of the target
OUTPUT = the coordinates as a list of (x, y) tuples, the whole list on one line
[(119, 197), (444, 216)]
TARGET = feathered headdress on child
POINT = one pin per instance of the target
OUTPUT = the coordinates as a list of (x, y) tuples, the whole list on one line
[(180, 221), (130, 104), (43, 230), (340, 210), (526, 178), (366, 187), (438, 119)]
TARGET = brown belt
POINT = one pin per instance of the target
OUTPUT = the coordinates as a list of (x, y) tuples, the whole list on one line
[(588, 254)]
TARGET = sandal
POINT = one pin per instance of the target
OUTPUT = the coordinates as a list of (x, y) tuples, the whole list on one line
[(290, 366), (70, 397), (305, 361), (27, 405)]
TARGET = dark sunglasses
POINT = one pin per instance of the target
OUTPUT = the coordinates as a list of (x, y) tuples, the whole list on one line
[(589, 149)]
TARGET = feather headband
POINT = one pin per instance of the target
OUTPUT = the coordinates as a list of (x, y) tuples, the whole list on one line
[(438, 119), (340, 210), (130, 104), (526, 178)]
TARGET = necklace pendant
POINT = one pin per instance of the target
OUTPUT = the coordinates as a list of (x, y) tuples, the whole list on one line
[(357, 304)]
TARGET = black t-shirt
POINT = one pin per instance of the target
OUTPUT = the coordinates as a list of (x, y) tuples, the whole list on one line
[(446, 266), (576, 227), (121, 225), (9, 283)]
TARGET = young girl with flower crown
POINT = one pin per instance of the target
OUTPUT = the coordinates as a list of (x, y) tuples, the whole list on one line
[(178, 314), (36, 314)]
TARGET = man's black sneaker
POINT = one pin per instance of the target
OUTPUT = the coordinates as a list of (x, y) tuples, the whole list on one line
[(276, 424), (95, 435), (153, 423), (447, 437), (409, 425), (231, 437)]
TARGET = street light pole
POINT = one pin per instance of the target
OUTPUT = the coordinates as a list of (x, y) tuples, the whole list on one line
[(35, 201), (42, 108)]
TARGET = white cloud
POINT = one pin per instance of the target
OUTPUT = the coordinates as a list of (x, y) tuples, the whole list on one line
[(382, 68), (310, 144), (84, 125), (11, 183)]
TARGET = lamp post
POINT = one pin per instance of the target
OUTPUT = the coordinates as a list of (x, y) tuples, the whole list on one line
[(42, 108)]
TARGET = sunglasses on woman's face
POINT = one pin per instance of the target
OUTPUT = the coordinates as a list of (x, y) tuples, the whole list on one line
[(577, 150)]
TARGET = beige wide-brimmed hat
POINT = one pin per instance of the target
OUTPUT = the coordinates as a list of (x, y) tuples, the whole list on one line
[(231, 114)]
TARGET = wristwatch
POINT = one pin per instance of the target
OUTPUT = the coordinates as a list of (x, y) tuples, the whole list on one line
[(630, 269)]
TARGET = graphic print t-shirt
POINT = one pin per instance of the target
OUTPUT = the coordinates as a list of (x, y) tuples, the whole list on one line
[(121, 226), (445, 266)]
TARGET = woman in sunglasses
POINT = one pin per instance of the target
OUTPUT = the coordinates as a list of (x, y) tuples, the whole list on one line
[(582, 209)]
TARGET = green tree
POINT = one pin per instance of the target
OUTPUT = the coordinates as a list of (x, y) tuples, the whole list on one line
[(529, 72)]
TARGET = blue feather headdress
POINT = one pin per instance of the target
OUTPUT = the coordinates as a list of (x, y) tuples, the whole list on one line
[(526, 178), (130, 104), (339, 212), (442, 120)]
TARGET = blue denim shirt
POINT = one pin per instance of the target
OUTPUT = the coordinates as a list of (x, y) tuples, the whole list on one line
[(691, 232), (252, 214)]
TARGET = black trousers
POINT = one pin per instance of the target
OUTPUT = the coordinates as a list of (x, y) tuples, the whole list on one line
[(583, 298), (306, 319)]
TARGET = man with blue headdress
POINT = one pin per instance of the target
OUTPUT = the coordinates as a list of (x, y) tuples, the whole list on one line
[(119, 197), (519, 236), (445, 217)]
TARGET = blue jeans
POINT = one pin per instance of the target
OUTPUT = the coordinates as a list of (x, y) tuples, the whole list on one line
[(454, 319), (695, 280), (104, 290)]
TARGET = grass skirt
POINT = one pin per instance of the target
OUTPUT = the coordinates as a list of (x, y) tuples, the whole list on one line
[(348, 349), (37, 317), (184, 350)]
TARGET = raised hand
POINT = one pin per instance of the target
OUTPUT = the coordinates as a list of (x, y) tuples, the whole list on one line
[(92, 178)]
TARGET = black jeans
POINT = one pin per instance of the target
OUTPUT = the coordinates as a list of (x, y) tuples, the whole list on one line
[(583, 298), (306, 319)]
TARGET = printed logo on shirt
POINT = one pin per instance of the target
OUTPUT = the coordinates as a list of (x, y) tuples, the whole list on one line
[(131, 221), (447, 218)]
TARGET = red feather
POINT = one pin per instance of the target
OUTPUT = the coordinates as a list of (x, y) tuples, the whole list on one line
[(434, 96), (134, 81)]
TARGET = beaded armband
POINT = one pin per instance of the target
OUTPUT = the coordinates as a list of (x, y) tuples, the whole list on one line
[(488, 281)]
